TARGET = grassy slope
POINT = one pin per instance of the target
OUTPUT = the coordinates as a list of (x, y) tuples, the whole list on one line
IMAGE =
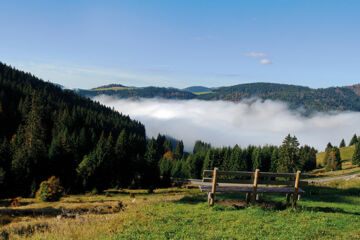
[(327, 212)]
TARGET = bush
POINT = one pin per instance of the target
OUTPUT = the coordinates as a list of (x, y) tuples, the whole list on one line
[(50, 190)]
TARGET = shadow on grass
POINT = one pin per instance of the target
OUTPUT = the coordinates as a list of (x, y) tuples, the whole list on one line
[(328, 194), (7, 203), (327, 210), (46, 212)]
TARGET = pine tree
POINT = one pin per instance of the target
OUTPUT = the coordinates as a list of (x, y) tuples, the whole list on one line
[(342, 143), (353, 140), (333, 159), (151, 175), (288, 155), (179, 150), (356, 155)]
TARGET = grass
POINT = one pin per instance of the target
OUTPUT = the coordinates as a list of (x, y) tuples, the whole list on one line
[(346, 153), (327, 211)]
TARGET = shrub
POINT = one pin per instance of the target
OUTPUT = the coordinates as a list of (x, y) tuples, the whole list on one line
[(50, 190)]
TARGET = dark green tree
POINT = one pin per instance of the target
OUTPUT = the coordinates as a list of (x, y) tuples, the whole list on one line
[(179, 150), (288, 155), (342, 143), (332, 159), (356, 155), (353, 140), (151, 175)]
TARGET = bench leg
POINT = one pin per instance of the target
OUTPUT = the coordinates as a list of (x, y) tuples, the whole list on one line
[(295, 196), (247, 198), (288, 198), (211, 199)]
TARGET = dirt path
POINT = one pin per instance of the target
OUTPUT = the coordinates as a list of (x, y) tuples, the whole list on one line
[(330, 179)]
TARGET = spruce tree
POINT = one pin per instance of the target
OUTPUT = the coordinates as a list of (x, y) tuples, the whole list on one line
[(342, 143), (288, 155), (356, 155), (333, 159), (179, 150), (353, 140)]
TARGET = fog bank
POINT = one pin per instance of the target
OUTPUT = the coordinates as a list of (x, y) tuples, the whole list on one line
[(224, 123)]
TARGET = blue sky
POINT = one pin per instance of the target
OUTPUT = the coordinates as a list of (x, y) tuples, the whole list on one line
[(84, 44)]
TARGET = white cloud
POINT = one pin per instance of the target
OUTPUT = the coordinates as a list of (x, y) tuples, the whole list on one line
[(255, 54), (265, 61), (226, 123)]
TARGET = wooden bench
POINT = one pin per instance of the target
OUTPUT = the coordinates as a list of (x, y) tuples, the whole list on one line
[(267, 180)]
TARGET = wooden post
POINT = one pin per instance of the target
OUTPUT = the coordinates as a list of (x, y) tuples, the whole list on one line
[(288, 195), (213, 189), (296, 187), (247, 198), (256, 177)]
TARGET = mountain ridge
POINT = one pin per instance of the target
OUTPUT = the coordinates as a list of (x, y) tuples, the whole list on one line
[(345, 98)]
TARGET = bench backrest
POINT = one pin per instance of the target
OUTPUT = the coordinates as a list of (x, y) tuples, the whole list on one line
[(261, 178)]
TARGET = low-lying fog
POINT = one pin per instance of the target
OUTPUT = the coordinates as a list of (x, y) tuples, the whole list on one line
[(226, 123)]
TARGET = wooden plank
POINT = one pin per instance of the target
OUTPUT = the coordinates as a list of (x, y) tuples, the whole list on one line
[(272, 174), (256, 177), (296, 187), (208, 173), (240, 181), (260, 181), (270, 190), (213, 188), (246, 173)]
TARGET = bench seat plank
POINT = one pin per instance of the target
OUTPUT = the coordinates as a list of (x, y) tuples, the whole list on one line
[(207, 188)]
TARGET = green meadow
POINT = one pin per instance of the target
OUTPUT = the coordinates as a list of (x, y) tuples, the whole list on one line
[(327, 211)]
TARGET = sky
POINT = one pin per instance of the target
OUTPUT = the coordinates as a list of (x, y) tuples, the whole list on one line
[(85, 44)]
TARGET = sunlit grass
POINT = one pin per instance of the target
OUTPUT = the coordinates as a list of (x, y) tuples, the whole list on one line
[(327, 211)]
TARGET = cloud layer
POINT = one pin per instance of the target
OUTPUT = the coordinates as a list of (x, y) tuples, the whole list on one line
[(226, 123)]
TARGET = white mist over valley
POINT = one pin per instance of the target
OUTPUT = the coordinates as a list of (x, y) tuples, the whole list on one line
[(223, 123)]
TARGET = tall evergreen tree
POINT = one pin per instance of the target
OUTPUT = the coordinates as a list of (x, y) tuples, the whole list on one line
[(288, 155), (342, 143), (151, 174), (179, 150), (353, 140), (356, 155), (332, 159)]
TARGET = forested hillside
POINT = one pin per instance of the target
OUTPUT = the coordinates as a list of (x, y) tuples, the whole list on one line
[(147, 92), (48, 131), (322, 99)]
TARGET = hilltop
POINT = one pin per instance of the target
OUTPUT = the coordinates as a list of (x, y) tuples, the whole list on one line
[(345, 98)]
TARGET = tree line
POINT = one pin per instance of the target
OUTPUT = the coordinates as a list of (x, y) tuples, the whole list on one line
[(47, 131)]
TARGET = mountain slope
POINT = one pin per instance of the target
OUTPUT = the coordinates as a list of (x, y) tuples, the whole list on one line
[(48, 131), (198, 89), (322, 99)]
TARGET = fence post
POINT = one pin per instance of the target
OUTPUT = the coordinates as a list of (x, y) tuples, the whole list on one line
[(256, 177), (213, 189), (296, 187)]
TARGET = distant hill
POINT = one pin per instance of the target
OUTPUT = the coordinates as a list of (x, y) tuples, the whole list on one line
[(146, 92), (110, 87), (198, 89), (322, 99)]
